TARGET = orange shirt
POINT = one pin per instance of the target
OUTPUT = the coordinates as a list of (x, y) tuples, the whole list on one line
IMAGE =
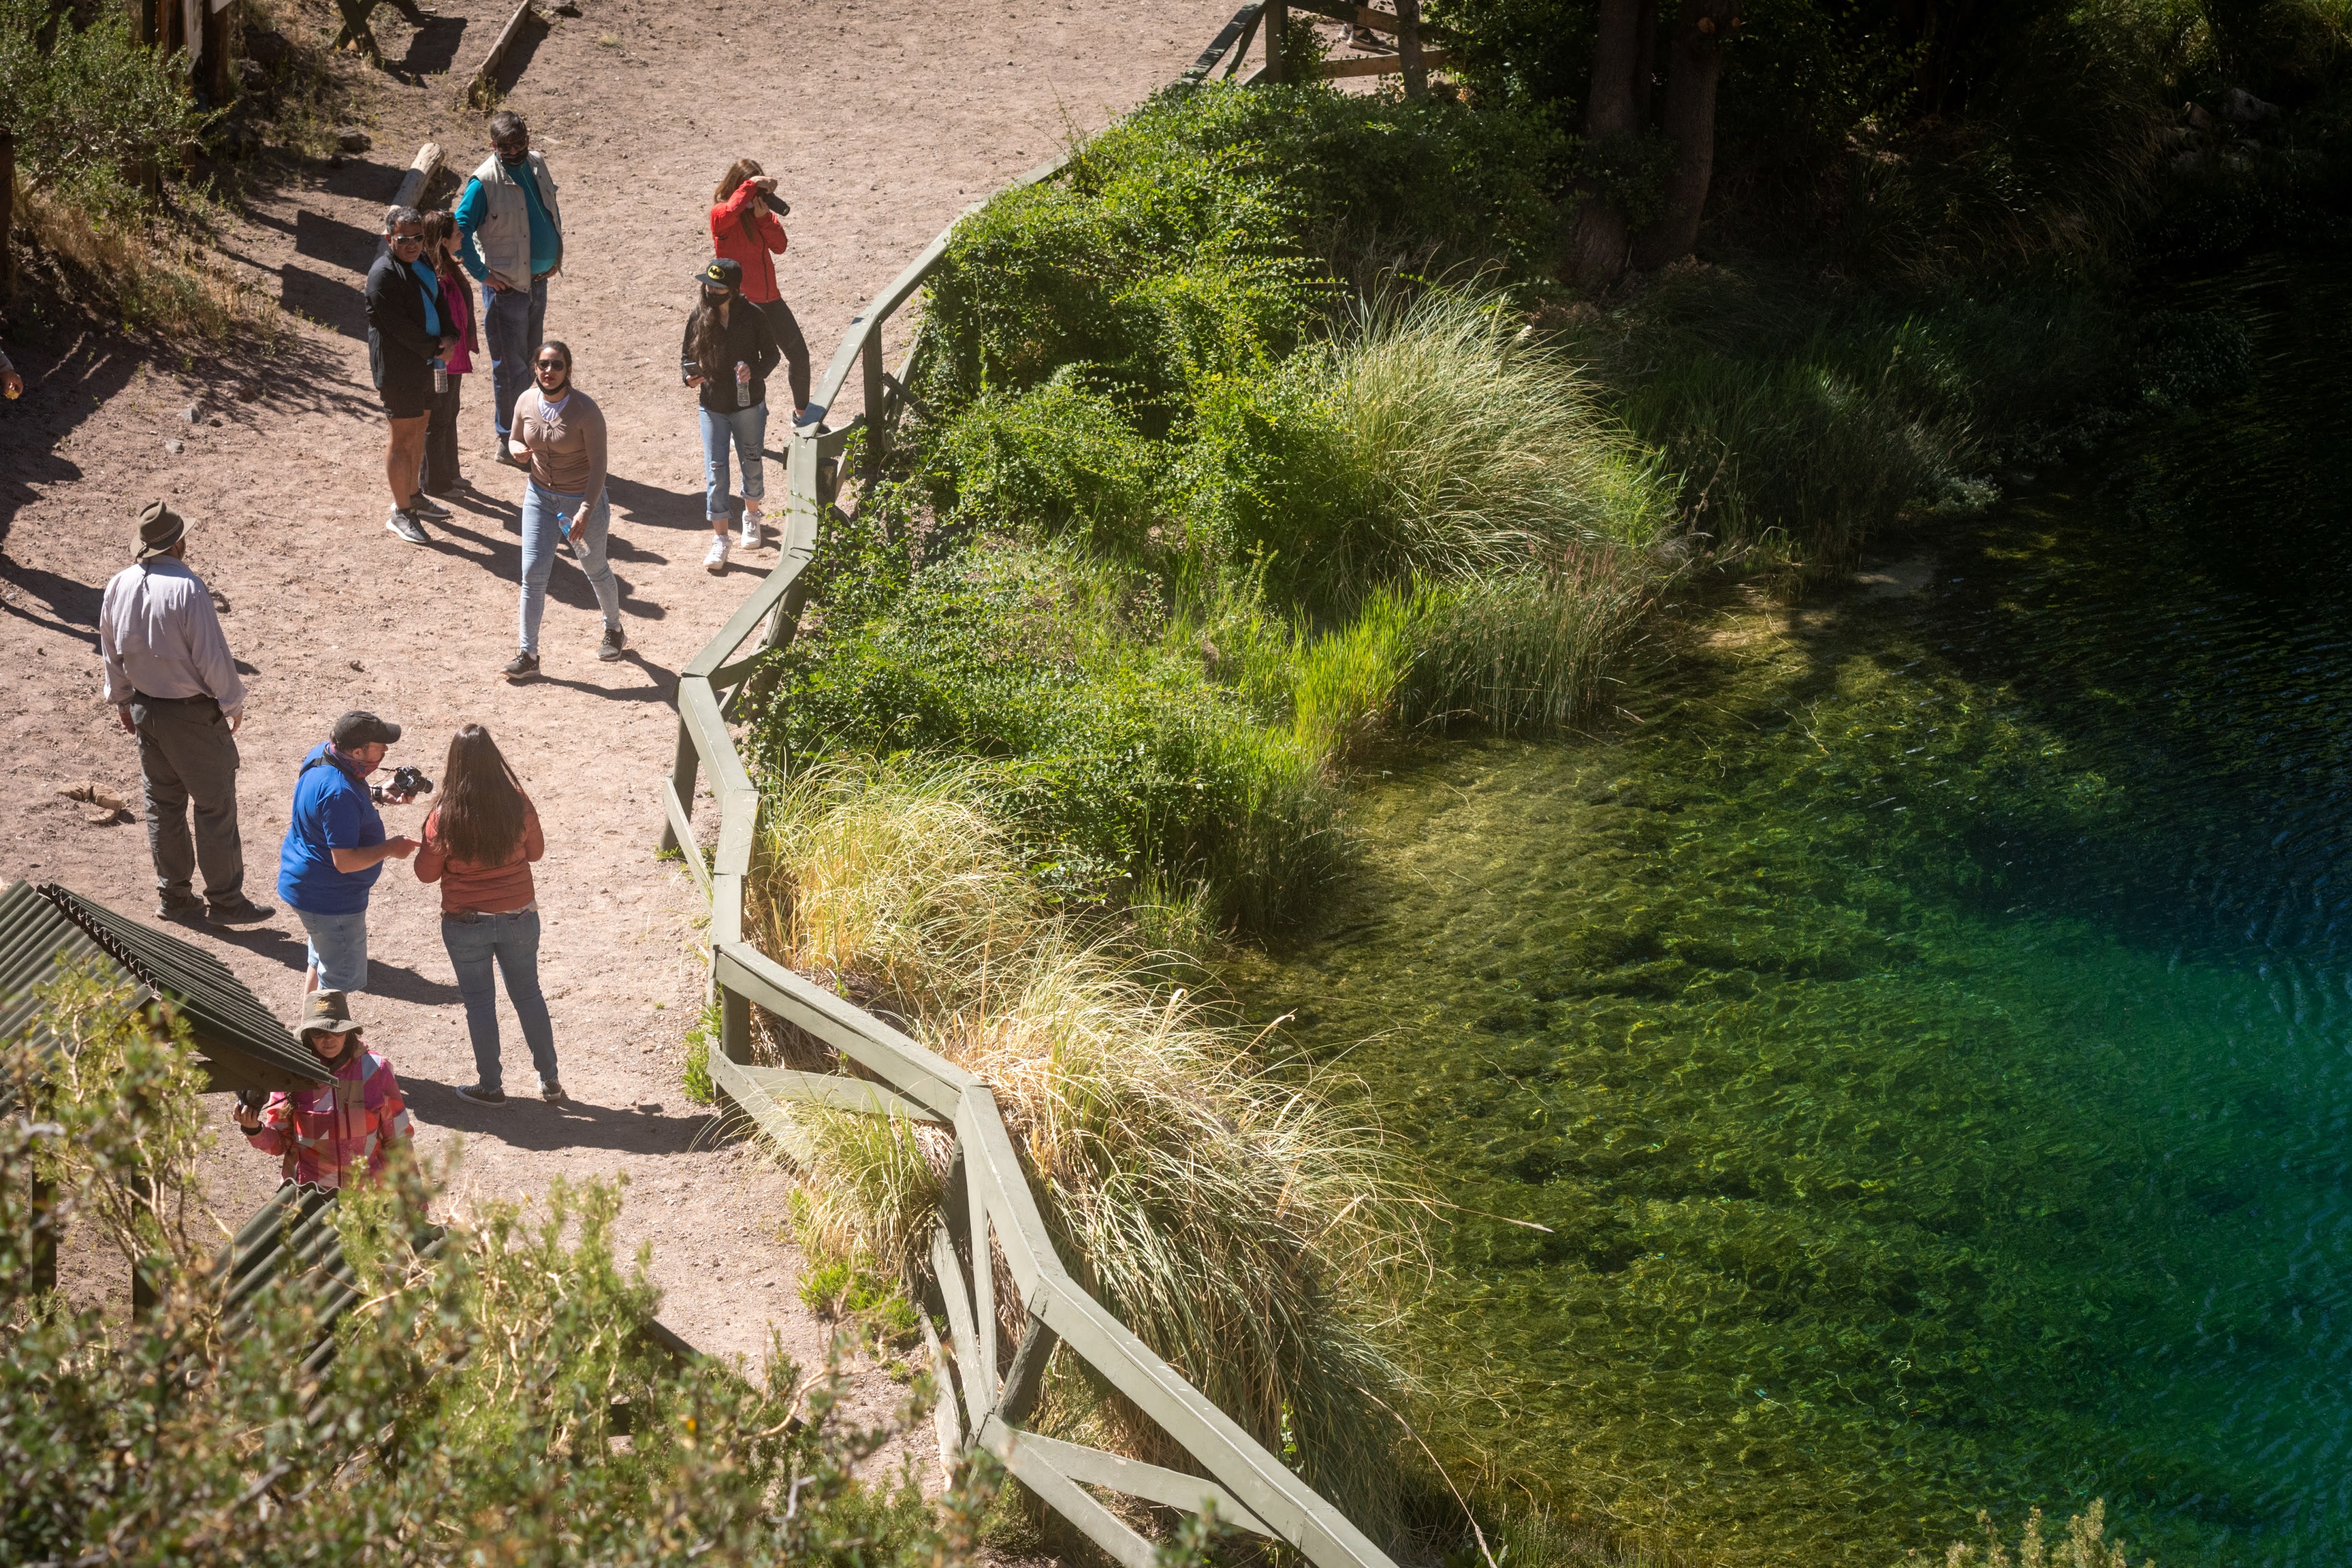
[(487, 890)]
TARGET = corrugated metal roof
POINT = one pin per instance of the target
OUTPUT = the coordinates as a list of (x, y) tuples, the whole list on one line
[(292, 1238), (244, 1045)]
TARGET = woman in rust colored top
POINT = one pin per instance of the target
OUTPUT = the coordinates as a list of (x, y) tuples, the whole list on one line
[(478, 844)]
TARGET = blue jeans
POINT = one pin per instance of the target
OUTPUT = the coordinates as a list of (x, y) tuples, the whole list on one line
[(541, 510), (338, 949), (748, 428), (513, 941), (514, 323)]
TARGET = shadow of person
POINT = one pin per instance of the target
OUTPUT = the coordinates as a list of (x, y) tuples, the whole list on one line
[(403, 985), (292, 951), (651, 504), (526, 1121)]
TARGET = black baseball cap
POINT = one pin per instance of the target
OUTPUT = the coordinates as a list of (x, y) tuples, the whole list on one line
[(726, 272), (358, 728)]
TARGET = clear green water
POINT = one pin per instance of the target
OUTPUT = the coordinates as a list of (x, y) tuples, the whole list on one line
[(1925, 1033)]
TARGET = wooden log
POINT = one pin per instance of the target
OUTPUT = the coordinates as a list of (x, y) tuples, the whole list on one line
[(220, 82), (1380, 65), (1244, 20), (480, 87), (1416, 72), (419, 178)]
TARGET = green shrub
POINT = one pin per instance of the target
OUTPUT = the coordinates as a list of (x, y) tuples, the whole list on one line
[(496, 1401), (89, 104), (695, 1079)]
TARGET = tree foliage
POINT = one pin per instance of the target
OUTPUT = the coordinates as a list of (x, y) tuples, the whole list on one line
[(90, 105), (497, 1400)]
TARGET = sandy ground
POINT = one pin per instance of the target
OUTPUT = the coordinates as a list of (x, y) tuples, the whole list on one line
[(883, 119)]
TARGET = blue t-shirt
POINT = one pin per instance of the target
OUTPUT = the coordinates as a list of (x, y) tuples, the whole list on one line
[(332, 811)]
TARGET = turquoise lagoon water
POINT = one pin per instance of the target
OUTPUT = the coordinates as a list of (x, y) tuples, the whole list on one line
[(1922, 1023)]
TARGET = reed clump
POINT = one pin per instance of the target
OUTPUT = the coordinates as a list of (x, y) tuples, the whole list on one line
[(1235, 1213)]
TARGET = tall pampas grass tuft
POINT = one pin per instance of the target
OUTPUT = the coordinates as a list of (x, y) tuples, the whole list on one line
[(1233, 1215)]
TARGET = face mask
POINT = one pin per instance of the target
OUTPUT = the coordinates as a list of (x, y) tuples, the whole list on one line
[(517, 162)]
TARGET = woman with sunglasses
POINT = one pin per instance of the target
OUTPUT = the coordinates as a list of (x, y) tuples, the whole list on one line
[(729, 352), (558, 435)]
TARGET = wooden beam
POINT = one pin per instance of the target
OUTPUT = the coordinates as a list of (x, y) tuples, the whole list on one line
[(1380, 65), (921, 1076), (419, 178), (479, 88), (1116, 1472), (1245, 20), (1277, 23), (842, 1093), (1065, 1496), (1024, 1379), (1416, 69)]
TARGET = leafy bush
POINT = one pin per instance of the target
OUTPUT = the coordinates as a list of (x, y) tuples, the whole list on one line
[(90, 105), (498, 1399)]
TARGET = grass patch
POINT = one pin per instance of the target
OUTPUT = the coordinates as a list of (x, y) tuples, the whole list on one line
[(1243, 1225), (695, 1077)]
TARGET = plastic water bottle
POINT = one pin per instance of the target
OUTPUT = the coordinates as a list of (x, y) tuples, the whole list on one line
[(742, 384), (440, 376)]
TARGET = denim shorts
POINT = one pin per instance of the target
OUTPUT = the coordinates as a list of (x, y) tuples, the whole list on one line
[(338, 949)]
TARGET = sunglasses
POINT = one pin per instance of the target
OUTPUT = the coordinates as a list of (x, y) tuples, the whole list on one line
[(407, 239), (511, 149), (552, 364)]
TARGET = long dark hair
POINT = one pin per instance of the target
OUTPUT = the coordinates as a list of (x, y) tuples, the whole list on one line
[(741, 170), (481, 814), (709, 338), (440, 228)]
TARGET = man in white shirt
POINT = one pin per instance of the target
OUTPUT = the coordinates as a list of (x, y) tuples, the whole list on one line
[(173, 685)]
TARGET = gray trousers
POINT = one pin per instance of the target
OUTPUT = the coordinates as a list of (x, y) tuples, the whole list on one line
[(187, 756)]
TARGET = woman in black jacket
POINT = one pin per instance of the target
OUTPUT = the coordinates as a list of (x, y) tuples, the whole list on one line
[(728, 352)]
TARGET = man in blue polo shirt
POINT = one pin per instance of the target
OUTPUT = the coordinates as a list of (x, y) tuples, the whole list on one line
[(335, 848)]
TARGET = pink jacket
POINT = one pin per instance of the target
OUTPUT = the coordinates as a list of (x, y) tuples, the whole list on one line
[(456, 292)]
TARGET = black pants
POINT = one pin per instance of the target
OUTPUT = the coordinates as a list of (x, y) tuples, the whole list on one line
[(440, 476), (186, 758), (795, 347)]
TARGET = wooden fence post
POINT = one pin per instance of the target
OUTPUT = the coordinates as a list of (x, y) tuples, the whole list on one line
[(1277, 23), (1416, 79), (877, 434)]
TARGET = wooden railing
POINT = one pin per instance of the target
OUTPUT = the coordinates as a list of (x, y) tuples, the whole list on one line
[(986, 1395)]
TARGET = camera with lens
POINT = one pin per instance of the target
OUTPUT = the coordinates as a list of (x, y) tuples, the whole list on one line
[(406, 781), (776, 203)]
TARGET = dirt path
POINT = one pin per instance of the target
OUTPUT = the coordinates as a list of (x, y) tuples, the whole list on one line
[(884, 118)]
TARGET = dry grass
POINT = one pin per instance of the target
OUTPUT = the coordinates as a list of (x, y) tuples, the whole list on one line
[(147, 279), (1241, 1222)]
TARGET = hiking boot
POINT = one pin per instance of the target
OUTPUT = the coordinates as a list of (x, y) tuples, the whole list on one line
[(614, 641), (182, 909), (236, 911), (480, 1096), (402, 524), (714, 560), (522, 666)]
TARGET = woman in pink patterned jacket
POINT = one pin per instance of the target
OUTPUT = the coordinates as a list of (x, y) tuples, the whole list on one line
[(341, 1133)]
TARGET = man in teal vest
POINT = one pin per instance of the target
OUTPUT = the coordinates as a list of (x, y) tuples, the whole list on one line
[(511, 236)]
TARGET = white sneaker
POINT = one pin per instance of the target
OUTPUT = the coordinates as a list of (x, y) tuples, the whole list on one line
[(715, 561), (749, 538)]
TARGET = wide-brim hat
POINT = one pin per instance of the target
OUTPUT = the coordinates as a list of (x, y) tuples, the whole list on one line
[(160, 528), (328, 1013)]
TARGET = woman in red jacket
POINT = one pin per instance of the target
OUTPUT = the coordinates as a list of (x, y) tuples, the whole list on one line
[(746, 227)]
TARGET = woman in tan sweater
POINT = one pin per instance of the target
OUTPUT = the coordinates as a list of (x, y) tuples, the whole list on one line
[(559, 432), (479, 844)]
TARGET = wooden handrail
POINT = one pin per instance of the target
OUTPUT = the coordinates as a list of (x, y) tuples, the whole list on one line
[(990, 1211)]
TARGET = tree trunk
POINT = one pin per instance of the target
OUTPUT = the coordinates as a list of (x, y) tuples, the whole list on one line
[(1645, 59), (1597, 254), (1694, 65)]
